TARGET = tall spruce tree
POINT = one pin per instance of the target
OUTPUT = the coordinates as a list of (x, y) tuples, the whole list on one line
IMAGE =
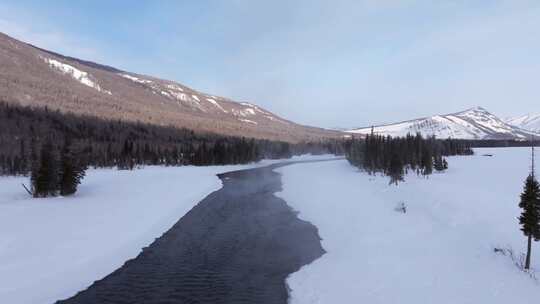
[(530, 217), (35, 164), (72, 169), (396, 169), (427, 161), (45, 172)]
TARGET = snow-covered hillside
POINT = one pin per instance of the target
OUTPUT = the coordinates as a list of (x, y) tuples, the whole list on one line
[(441, 251), (474, 123), (528, 122), (80, 76), (36, 77), (199, 101)]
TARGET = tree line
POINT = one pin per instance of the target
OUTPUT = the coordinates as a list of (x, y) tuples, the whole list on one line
[(502, 143), (34, 140), (55, 172), (394, 157), (108, 143)]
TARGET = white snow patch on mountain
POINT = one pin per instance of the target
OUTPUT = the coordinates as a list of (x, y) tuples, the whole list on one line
[(247, 104), (136, 79), (529, 122), (248, 121), (170, 91), (252, 110), (475, 123), (244, 112), (178, 95), (217, 105), (272, 118), (175, 87), (248, 112), (81, 76), (256, 108)]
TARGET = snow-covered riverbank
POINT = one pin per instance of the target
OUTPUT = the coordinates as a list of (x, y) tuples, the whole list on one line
[(440, 251), (52, 248)]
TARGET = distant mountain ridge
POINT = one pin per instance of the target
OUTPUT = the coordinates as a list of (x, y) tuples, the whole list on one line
[(475, 123), (33, 76), (529, 122)]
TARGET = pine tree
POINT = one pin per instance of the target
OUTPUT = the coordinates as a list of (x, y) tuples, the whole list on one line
[(34, 168), (530, 217), (427, 162), (23, 166), (72, 170), (439, 163), (45, 172), (396, 169)]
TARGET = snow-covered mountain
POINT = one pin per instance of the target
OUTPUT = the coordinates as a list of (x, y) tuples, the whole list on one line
[(36, 77), (528, 122), (474, 123)]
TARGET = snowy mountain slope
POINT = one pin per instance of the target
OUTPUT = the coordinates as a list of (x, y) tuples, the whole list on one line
[(474, 123), (37, 77), (528, 122)]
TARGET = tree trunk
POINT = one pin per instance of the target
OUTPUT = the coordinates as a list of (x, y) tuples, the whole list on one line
[(528, 259), (27, 190)]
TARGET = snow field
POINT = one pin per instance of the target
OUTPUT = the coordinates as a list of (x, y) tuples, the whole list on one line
[(52, 248), (440, 251)]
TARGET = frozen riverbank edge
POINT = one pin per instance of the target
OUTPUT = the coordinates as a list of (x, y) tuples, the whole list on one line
[(238, 245), (440, 251), (52, 248)]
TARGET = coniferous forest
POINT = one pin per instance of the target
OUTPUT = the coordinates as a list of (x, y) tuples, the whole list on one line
[(396, 156), (30, 136)]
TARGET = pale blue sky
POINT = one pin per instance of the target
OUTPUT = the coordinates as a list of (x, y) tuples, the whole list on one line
[(326, 63)]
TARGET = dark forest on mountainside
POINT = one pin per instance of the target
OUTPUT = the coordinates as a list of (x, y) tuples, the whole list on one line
[(26, 131)]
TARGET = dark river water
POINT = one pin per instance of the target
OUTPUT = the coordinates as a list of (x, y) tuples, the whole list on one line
[(238, 245)]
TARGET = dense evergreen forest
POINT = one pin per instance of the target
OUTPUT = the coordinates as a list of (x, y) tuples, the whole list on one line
[(25, 132), (501, 143), (395, 156)]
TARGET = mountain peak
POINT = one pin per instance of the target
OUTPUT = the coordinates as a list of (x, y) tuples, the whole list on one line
[(474, 123), (529, 122), (477, 109)]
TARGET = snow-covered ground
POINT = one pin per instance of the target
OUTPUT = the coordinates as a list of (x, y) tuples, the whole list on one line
[(51, 248), (440, 251)]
